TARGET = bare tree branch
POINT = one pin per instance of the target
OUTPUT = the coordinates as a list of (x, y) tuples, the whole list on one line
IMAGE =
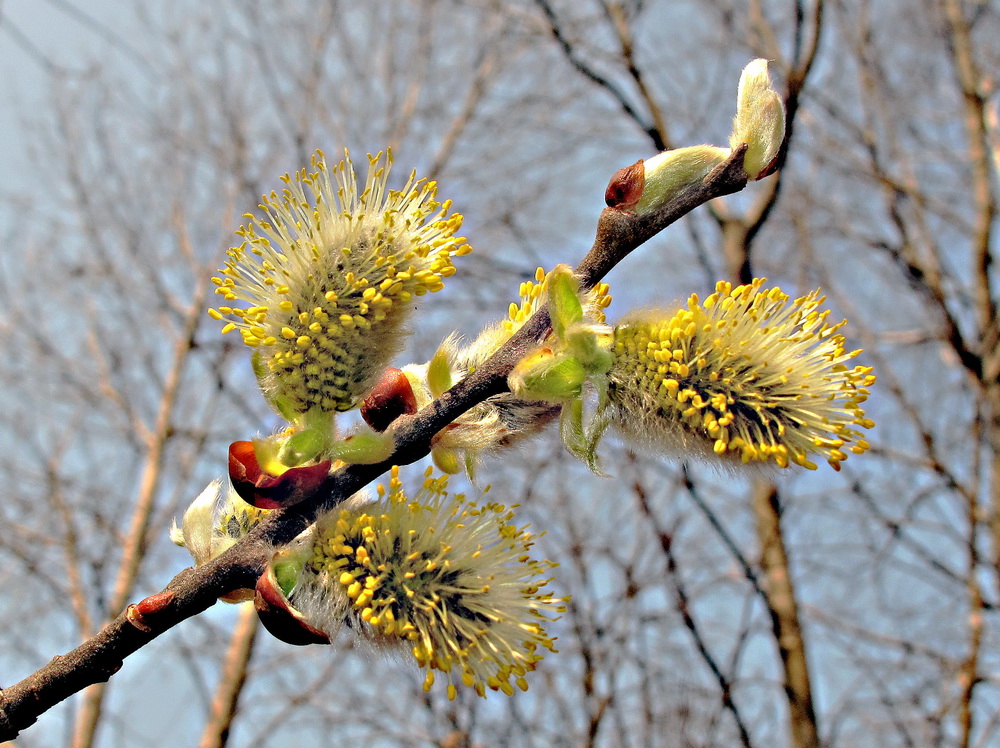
[(665, 538)]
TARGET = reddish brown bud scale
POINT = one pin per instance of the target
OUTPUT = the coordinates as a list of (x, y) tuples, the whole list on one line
[(155, 603), (278, 616), (243, 465), (265, 491), (626, 186), (139, 614), (391, 397)]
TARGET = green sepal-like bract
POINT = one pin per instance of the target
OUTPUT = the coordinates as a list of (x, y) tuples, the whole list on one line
[(446, 460), (302, 447), (547, 376), (366, 447), (565, 308)]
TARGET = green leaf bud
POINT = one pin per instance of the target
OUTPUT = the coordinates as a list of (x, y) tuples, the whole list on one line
[(760, 120)]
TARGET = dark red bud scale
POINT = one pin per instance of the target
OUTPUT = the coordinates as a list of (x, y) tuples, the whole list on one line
[(391, 398), (265, 491), (278, 616), (626, 186)]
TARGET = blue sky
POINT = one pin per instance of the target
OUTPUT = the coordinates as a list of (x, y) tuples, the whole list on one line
[(38, 38)]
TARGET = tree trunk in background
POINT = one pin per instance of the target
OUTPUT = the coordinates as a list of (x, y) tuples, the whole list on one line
[(784, 612), (225, 703)]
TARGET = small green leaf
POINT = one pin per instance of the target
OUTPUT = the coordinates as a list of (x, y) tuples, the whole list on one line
[(364, 448), (302, 447), (571, 427), (286, 573), (564, 300)]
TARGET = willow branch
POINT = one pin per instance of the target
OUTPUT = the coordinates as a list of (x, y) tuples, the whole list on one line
[(192, 591)]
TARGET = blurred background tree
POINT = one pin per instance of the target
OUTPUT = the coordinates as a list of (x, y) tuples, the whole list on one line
[(708, 608)]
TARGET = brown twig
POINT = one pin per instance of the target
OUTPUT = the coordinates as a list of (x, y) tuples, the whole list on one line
[(684, 607), (194, 590)]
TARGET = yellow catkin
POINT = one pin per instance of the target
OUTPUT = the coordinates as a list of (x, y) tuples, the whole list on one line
[(327, 274), (748, 375), (451, 578)]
